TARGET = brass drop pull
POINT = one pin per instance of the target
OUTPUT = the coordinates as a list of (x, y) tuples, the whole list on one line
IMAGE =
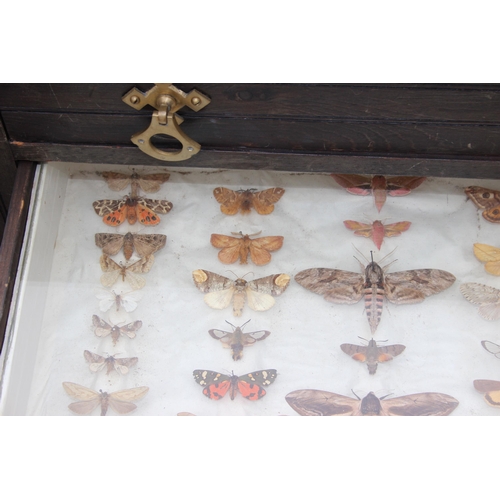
[(167, 100)]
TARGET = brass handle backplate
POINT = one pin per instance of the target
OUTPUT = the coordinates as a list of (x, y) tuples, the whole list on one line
[(167, 100)]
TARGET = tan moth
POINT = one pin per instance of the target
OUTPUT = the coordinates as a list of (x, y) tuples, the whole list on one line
[(98, 362), (113, 271)]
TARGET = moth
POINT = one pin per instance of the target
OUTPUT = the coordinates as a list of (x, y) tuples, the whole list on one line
[(114, 212), (119, 401), (150, 183), (313, 402), (103, 329), (490, 255), (97, 363), (221, 291), (245, 199), (127, 300), (403, 287), (490, 389), (258, 248), (250, 386), (143, 244), (112, 271), (486, 199), (491, 347), (376, 231), (379, 185), (372, 354), (237, 340), (486, 297)]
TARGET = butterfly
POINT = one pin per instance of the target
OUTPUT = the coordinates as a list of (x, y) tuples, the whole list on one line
[(144, 244), (490, 389), (112, 271), (376, 231), (97, 363), (490, 255), (220, 291), (491, 347), (379, 185), (250, 385), (150, 183), (259, 248), (313, 402), (103, 329), (237, 340), (403, 287), (114, 212), (372, 353), (243, 200), (127, 300), (119, 401), (486, 297), (487, 199)]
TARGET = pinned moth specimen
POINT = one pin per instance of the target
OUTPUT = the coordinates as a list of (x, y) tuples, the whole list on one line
[(221, 291), (376, 231), (484, 296), (127, 300), (119, 401), (259, 248), (245, 199), (490, 255), (150, 183), (490, 389), (250, 386), (237, 340), (114, 212), (486, 199), (372, 354), (112, 271), (379, 185), (144, 244), (97, 363), (403, 287), (103, 329), (313, 402), (491, 347)]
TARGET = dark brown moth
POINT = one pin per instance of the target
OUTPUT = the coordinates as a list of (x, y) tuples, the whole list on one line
[(221, 291), (490, 389), (245, 199), (98, 362), (103, 329), (486, 199), (143, 244), (150, 183), (372, 354), (237, 340), (313, 402), (403, 287)]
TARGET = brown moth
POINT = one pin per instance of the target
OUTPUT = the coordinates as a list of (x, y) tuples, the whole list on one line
[(221, 291), (376, 231), (150, 183), (313, 402), (119, 401), (237, 340), (490, 389), (486, 199), (144, 244), (112, 271), (97, 363), (258, 248), (127, 300), (403, 287), (490, 255), (245, 199), (372, 354), (379, 185), (491, 347), (486, 297), (103, 329)]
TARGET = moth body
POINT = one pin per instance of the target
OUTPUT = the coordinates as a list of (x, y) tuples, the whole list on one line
[(374, 294), (370, 405), (131, 211)]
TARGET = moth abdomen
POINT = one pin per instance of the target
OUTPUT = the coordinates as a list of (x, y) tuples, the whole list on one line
[(374, 303)]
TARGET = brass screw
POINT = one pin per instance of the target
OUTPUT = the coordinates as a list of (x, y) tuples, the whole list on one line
[(195, 101), (134, 99)]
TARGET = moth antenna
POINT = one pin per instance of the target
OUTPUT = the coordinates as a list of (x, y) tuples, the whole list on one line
[(234, 328), (360, 264), (240, 233), (250, 272), (245, 323), (358, 398), (387, 395), (387, 256), (229, 271), (362, 338)]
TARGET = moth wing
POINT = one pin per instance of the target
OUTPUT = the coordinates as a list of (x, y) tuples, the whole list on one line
[(230, 247), (130, 329), (359, 228), (259, 301), (219, 299), (101, 328), (274, 284), (486, 297), (491, 347), (412, 287), (355, 184), (395, 229), (105, 207), (221, 335), (263, 201), (115, 217), (116, 181), (486, 253), (106, 300), (85, 407), (419, 405), (483, 198), (146, 244), (96, 362), (490, 389), (357, 352), (109, 278), (207, 281), (229, 200), (401, 186), (109, 265), (129, 300), (260, 248), (215, 384), (122, 365), (158, 206), (151, 183), (251, 385), (387, 352), (312, 402), (185, 414), (141, 266), (110, 243), (121, 407), (337, 286), (80, 392), (129, 394), (252, 337)]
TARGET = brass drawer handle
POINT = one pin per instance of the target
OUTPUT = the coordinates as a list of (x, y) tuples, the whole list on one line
[(167, 100)]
